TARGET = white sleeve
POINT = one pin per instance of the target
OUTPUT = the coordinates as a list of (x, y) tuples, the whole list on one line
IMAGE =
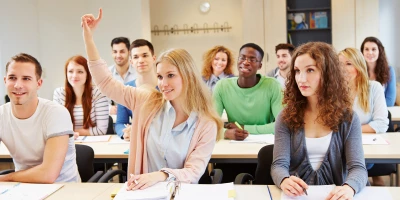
[(58, 122)]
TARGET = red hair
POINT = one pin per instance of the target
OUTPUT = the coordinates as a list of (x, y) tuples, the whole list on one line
[(70, 96)]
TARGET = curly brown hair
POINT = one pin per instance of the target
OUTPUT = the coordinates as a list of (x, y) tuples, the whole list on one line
[(381, 71), (334, 102), (208, 58)]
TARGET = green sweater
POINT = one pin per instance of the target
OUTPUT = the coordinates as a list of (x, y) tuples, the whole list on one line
[(256, 108)]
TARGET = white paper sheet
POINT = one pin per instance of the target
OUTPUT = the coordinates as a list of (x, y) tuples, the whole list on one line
[(262, 138), (205, 191), (160, 191), (30, 191), (88, 139), (373, 139), (117, 140), (317, 192)]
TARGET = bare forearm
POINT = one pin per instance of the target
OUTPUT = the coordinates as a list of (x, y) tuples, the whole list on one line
[(366, 128), (33, 175), (83, 132)]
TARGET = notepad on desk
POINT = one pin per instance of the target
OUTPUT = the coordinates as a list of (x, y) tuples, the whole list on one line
[(30, 191), (262, 138), (160, 190), (373, 139), (322, 191), (87, 139), (118, 140)]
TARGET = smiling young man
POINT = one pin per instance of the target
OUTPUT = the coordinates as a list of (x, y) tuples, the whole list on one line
[(143, 60), (284, 53), (36, 131), (252, 100)]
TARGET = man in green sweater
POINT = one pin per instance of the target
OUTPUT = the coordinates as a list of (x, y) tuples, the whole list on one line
[(251, 100)]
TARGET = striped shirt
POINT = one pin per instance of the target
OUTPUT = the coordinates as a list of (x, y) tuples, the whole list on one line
[(99, 113)]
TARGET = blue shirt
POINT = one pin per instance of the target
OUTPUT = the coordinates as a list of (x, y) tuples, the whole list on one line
[(390, 88), (167, 147), (123, 115)]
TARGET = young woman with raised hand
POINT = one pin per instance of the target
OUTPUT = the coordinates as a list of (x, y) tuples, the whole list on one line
[(368, 97), (174, 130), (317, 135), (217, 65), (87, 106), (378, 67)]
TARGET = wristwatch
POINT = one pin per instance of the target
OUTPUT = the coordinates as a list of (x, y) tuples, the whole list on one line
[(170, 177)]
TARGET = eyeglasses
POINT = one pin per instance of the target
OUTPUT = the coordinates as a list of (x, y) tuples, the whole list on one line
[(250, 60)]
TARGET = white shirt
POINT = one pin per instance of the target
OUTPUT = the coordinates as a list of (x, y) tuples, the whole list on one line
[(130, 75), (26, 138), (317, 148), (280, 78), (167, 147)]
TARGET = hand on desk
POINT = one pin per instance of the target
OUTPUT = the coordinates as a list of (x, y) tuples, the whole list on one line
[(293, 186), (236, 134), (143, 181), (341, 192), (76, 135), (127, 132)]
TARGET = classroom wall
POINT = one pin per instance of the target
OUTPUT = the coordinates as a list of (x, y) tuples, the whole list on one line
[(179, 12), (39, 28), (390, 31)]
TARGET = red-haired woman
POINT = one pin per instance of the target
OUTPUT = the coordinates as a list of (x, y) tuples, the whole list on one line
[(218, 64), (317, 135), (87, 106)]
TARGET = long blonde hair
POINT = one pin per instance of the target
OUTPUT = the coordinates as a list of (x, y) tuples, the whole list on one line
[(362, 81), (196, 94)]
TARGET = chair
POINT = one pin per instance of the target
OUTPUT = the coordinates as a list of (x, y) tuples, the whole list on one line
[(84, 162), (263, 170), (110, 129), (215, 177)]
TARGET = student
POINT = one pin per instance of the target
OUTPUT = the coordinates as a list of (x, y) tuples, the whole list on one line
[(121, 70), (88, 108), (251, 100), (317, 135), (42, 147), (174, 129), (368, 97), (378, 67), (143, 60), (217, 65), (283, 53)]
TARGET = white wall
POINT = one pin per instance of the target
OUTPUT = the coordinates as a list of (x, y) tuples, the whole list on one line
[(40, 28), (180, 12), (390, 31)]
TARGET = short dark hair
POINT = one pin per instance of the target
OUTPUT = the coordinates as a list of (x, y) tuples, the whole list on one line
[(286, 46), (26, 58), (118, 40), (140, 43), (254, 46)]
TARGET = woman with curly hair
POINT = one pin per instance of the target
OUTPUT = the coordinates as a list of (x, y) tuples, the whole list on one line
[(369, 100), (317, 135), (378, 67), (218, 64)]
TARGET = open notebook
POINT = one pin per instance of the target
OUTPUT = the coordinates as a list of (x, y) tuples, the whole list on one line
[(29, 191)]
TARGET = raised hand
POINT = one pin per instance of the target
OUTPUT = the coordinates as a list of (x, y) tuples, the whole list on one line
[(89, 23)]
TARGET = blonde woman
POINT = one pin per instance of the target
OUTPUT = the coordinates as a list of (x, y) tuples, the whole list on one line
[(175, 129), (218, 64), (368, 96)]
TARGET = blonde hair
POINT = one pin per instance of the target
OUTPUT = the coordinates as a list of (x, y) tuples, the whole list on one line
[(208, 59), (196, 94), (362, 84)]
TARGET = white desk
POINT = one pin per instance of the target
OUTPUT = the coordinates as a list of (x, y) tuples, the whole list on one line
[(395, 111)]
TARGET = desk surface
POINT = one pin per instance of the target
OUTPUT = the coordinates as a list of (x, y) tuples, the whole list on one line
[(102, 191), (395, 111), (226, 150)]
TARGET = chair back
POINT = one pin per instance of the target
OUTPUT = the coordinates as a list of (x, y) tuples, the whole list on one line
[(263, 170), (84, 161), (391, 127), (110, 129)]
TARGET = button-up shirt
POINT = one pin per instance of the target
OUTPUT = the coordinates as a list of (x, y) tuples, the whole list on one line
[(130, 75)]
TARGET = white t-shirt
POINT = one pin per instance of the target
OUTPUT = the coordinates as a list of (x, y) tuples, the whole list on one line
[(26, 139), (317, 148)]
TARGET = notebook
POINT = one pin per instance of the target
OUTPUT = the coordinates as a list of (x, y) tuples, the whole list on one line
[(30, 191), (88, 139)]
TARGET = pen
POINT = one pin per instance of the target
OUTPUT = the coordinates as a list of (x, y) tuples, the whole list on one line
[(374, 139), (305, 191), (125, 125), (238, 125)]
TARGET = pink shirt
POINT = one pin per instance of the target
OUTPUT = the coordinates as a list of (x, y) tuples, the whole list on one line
[(201, 145)]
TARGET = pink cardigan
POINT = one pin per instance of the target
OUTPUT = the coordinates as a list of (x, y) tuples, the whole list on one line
[(201, 145)]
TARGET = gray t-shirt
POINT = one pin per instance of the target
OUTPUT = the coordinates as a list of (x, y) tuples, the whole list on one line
[(26, 138), (343, 163)]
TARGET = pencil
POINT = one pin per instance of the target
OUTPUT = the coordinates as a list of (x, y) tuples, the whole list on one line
[(238, 125)]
